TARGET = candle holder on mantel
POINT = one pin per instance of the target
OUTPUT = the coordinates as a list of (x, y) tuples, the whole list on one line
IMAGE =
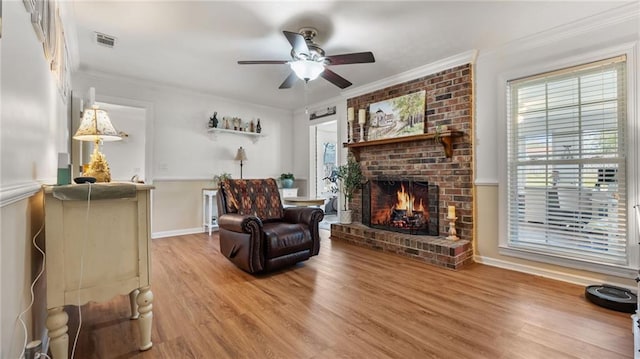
[(351, 132), (362, 119), (452, 229)]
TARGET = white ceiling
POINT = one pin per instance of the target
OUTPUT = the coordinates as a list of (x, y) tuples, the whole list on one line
[(195, 44)]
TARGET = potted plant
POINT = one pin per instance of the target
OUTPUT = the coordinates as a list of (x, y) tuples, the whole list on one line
[(217, 179), (351, 178), (287, 180)]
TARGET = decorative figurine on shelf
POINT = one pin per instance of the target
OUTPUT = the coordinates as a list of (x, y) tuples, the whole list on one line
[(258, 127), (226, 122), (252, 127), (213, 121)]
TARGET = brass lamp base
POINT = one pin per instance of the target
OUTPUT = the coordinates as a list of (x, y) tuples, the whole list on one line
[(98, 166)]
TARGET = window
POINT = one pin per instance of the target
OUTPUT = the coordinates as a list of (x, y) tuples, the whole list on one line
[(566, 163)]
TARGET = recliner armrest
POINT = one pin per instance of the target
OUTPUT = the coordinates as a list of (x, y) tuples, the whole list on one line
[(239, 223), (307, 215)]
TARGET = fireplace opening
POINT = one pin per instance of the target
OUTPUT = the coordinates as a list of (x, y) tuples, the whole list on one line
[(401, 205)]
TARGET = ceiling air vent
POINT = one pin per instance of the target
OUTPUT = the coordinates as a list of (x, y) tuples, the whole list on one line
[(105, 40)]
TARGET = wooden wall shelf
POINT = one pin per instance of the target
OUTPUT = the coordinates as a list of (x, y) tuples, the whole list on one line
[(445, 138)]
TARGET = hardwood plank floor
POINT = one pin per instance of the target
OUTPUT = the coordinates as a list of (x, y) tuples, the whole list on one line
[(350, 302)]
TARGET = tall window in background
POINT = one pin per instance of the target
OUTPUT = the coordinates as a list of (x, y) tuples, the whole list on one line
[(566, 162)]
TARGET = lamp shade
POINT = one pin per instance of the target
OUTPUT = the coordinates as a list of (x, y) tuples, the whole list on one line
[(241, 155), (306, 69), (95, 125)]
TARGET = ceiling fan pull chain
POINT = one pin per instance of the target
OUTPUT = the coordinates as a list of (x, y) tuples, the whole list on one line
[(306, 97)]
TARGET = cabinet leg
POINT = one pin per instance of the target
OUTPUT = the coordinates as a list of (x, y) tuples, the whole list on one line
[(56, 323), (145, 306), (134, 305)]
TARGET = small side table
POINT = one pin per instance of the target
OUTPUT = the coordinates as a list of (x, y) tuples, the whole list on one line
[(209, 222), (304, 201)]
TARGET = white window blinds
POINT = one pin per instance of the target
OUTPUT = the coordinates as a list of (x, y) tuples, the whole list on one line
[(566, 163)]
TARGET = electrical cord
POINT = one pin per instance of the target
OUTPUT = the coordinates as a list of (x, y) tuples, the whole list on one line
[(84, 242), (24, 325)]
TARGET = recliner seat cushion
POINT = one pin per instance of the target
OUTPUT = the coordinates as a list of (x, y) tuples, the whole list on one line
[(286, 238)]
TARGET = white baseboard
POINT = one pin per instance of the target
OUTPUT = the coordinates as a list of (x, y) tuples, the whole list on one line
[(547, 273), (177, 232)]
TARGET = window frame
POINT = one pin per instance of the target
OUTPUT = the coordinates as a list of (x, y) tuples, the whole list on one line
[(632, 141)]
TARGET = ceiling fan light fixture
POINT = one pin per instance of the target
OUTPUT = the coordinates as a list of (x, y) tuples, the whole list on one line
[(307, 70)]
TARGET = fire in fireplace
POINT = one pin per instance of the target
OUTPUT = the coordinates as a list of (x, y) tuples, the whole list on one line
[(404, 205)]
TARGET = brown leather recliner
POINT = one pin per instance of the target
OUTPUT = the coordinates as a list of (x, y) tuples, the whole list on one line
[(257, 234)]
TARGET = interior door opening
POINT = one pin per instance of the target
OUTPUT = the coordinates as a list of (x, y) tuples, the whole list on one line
[(326, 162)]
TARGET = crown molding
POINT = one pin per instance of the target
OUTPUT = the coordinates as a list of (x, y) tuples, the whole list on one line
[(437, 66), (608, 18), (67, 15), (187, 91)]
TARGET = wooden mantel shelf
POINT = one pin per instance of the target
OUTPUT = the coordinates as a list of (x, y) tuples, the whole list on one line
[(445, 138)]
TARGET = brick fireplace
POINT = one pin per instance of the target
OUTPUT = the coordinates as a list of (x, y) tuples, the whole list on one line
[(425, 160)]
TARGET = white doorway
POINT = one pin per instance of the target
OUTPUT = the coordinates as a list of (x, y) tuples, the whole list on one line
[(325, 162)]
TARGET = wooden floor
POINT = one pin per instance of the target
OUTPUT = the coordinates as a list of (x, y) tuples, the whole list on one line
[(350, 302)]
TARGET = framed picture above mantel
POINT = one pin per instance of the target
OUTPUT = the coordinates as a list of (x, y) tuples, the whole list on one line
[(397, 117)]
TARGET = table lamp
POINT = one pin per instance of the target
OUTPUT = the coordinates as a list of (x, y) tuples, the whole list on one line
[(241, 156), (96, 126)]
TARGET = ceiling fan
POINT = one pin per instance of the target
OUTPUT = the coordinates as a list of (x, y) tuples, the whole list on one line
[(308, 60)]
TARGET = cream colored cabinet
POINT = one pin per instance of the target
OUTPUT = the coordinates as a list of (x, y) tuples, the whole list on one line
[(98, 245)]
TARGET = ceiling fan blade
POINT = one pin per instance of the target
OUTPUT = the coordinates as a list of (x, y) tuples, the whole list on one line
[(355, 58), (297, 42), (263, 62), (288, 82), (335, 79)]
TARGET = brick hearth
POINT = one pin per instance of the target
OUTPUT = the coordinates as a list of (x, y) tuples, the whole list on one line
[(438, 251)]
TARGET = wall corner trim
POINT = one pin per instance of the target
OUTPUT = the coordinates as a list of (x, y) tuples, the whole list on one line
[(14, 193)]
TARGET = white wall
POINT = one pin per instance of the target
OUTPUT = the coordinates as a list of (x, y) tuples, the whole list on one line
[(126, 157), (33, 129), (184, 153), (559, 44), (553, 49), (182, 148)]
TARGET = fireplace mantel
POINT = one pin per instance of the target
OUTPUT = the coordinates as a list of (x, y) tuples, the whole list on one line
[(445, 138)]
